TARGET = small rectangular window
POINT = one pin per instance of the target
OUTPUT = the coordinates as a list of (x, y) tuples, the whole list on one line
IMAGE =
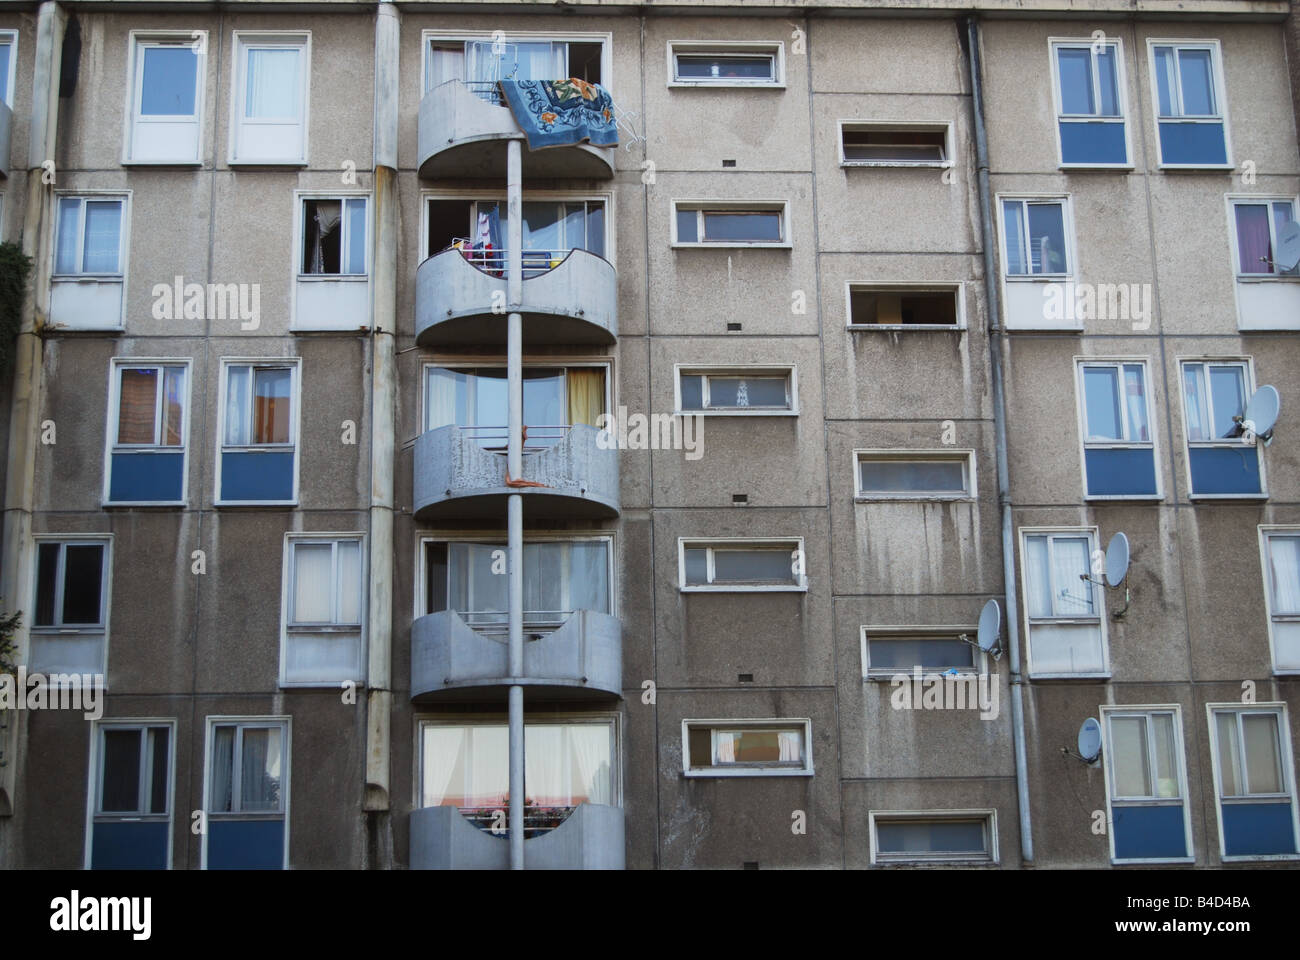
[(736, 391), (259, 433), (933, 836), (703, 224), (1035, 238), (880, 144), (167, 88), (747, 747), (270, 98), (1090, 103), (726, 65), (730, 565), (131, 797), (1064, 608), (1254, 781), (1281, 554), (1118, 452), (1256, 226), (8, 65), (908, 475), (89, 237), (147, 424), (903, 307), (323, 611), (891, 653), (334, 236), (70, 610), (1220, 460), (1190, 115)]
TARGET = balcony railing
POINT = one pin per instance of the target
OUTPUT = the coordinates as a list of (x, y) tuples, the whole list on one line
[(591, 837)]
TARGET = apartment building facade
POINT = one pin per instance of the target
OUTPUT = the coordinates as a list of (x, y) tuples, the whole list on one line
[(873, 315)]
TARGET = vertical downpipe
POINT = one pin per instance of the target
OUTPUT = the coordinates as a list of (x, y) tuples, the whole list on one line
[(515, 508), (383, 401), (24, 413), (1000, 439)]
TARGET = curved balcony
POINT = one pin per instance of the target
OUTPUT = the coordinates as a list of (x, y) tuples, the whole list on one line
[(581, 659), (463, 132), (575, 301), (591, 838), (456, 477)]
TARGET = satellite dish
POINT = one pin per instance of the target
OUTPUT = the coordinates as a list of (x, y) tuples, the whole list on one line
[(1090, 740), (1261, 412), (1117, 559), (1287, 254), (990, 630)]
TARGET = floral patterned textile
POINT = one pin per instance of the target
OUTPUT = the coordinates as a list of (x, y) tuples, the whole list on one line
[(558, 113)]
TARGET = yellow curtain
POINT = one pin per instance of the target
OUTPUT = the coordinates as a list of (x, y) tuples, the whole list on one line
[(586, 394)]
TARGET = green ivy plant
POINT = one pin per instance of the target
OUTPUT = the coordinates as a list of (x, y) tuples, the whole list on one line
[(15, 269), (8, 624)]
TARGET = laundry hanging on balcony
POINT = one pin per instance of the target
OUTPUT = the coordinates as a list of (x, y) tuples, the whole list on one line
[(559, 113)]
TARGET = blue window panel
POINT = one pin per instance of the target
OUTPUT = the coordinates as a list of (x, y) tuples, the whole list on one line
[(129, 846), (1199, 143), (1225, 470), (1090, 142), (257, 476), (1149, 832), (1256, 829), (1122, 472), (147, 477), (246, 845)]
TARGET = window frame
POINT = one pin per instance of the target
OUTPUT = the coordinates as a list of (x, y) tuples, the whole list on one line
[(289, 628), (1065, 200), (98, 630), (724, 371), (1267, 531), (138, 42), (95, 787), (1247, 364), (124, 231), (241, 42), (295, 425), (775, 49), (988, 814), (1234, 249), (10, 36), (429, 37), (1081, 411), (758, 724), (1146, 712), (1220, 98), (701, 207), (1055, 44), (111, 446), (284, 723), (728, 586), (957, 288), (300, 199), (868, 632), (1098, 599), (559, 361), (912, 126), (964, 455), (1277, 709), (473, 195)]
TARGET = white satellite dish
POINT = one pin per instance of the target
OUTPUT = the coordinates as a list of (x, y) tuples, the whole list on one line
[(1287, 254), (1089, 741), (1117, 557), (990, 630), (1262, 412)]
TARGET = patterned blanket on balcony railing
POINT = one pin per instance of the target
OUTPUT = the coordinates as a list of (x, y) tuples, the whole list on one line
[(559, 113)]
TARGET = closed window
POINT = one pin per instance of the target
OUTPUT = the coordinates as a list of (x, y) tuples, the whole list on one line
[(323, 610), (933, 836), (1281, 554), (70, 613), (1035, 234), (1256, 226), (880, 144), (167, 87), (259, 433), (1220, 461), (730, 225), (1118, 450), (475, 400), (736, 391), (89, 237), (747, 747), (731, 565), (131, 797), (1190, 113), (889, 653), (8, 65), (1067, 635), (270, 99), (908, 475), (147, 432), (247, 794), (1090, 103), (1144, 783), (1254, 781), (726, 65)]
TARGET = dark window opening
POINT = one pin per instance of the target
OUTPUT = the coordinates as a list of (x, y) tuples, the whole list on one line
[(894, 146), (890, 307)]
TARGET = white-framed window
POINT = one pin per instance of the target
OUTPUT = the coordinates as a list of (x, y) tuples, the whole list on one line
[(1064, 612), (1117, 429), (737, 391), (89, 237), (895, 143), (246, 793), (166, 87), (148, 431), (132, 781), (905, 306), (731, 223), (1280, 558), (891, 650), (479, 59), (741, 564), (1220, 461), (725, 64), (257, 431), (69, 622), (934, 836), (1089, 87), (1146, 784), (747, 748), (1255, 223), (8, 64), (270, 98), (322, 643), (1191, 103), (332, 261), (1036, 234), (914, 474), (1254, 781)]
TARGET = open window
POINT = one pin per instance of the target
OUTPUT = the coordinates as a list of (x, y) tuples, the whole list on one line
[(331, 287), (480, 61), (905, 307), (878, 143)]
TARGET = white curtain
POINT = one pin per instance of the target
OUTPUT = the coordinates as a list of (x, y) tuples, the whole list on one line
[(546, 783), (445, 62), (1284, 552), (444, 766), (724, 747), (259, 770), (590, 747), (1229, 754), (223, 766), (1128, 762), (1263, 772), (272, 84), (790, 744), (237, 418), (589, 576), (65, 258), (1166, 772), (312, 590), (103, 232), (445, 387), (328, 215), (1069, 560), (1135, 395), (349, 581), (1039, 577)]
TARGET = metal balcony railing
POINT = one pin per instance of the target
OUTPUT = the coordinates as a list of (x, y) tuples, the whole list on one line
[(536, 438), (537, 819), (536, 261)]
